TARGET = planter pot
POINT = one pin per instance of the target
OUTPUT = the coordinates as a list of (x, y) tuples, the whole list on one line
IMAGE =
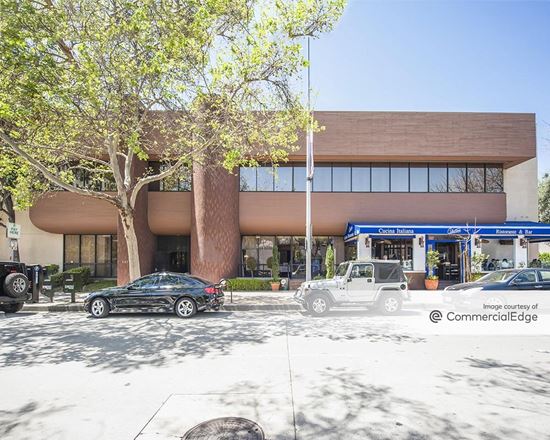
[(431, 284), (275, 287)]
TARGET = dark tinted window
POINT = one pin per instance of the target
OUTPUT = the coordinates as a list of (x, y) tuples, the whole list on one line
[(545, 275), (400, 177), (388, 272), (248, 179), (322, 178), (146, 282), (529, 276), (438, 178), (380, 179), (419, 178), (476, 178), (457, 178), (341, 178), (360, 176), (283, 179)]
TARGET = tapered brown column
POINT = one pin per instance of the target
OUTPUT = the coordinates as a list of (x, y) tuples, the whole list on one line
[(215, 233), (146, 239)]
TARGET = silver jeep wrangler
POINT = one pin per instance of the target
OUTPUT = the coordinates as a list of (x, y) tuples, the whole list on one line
[(375, 283)]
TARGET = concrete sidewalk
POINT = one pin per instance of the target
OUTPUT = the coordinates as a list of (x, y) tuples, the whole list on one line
[(243, 301)]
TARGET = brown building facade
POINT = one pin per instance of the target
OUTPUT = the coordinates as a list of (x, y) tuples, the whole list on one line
[(370, 168)]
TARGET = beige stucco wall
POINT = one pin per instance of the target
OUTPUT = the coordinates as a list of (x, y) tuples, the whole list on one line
[(520, 186), (35, 245)]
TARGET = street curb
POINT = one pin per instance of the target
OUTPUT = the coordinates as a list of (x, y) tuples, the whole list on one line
[(227, 307)]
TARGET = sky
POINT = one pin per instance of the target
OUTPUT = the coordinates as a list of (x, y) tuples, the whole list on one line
[(439, 55)]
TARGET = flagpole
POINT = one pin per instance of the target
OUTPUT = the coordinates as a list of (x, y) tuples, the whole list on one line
[(309, 170)]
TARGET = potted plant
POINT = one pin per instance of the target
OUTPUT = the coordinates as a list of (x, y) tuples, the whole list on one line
[(250, 263), (432, 260), (276, 281)]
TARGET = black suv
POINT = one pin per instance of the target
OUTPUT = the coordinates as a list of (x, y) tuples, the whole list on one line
[(14, 286)]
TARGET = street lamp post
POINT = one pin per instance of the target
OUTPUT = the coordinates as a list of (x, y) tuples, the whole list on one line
[(309, 169)]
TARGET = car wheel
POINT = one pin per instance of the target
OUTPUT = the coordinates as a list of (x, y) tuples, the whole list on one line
[(12, 308), (185, 308), (390, 303), (99, 308), (318, 305), (16, 285)]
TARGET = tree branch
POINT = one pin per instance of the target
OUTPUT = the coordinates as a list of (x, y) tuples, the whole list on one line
[(52, 177)]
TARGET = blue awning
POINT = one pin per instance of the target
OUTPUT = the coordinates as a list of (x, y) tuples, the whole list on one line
[(530, 230)]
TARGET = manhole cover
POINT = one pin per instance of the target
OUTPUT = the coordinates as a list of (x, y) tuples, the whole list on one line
[(226, 428)]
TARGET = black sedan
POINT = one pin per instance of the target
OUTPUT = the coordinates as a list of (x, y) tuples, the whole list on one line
[(163, 292), (502, 287)]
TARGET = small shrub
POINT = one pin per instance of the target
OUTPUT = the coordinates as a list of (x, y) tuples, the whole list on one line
[(249, 284), (84, 271), (432, 260), (544, 258), (51, 269), (57, 279)]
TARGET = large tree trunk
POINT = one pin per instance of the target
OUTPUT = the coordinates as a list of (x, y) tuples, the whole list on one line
[(128, 226)]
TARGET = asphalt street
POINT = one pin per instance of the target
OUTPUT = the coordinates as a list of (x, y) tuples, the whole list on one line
[(351, 375)]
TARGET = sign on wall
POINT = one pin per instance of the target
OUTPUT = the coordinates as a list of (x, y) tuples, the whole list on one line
[(13, 231)]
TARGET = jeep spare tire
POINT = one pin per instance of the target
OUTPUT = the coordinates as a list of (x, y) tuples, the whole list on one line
[(16, 285)]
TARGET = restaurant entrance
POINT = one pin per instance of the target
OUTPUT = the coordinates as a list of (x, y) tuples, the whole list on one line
[(449, 268)]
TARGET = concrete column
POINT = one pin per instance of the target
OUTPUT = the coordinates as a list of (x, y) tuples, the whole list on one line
[(419, 252), (215, 232), (364, 251), (520, 252)]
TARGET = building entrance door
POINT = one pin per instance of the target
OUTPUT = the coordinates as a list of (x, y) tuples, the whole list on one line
[(449, 268), (172, 254)]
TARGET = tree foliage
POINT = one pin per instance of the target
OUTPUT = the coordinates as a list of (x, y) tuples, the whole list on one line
[(89, 86), (544, 199), (329, 262)]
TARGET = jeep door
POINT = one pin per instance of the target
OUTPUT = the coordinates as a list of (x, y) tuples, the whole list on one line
[(360, 285)]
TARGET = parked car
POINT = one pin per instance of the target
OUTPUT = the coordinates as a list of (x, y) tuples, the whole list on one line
[(377, 283), (14, 286), (164, 292), (500, 287)]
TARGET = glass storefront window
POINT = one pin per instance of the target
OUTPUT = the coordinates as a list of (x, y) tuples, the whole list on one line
[(380, 181), (283, 178), (476, 178), (394, 249), (457, 178), (97, 252), (341, 178), (438, 178), (72, 250), (248, 178), (419, 178), (400, 177), (360, 178), (494, 178), (322, 178), (299, 178), (265, 179)]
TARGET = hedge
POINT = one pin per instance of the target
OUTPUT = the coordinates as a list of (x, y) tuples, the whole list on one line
[(51, 269), (84, 272), (250, 284)]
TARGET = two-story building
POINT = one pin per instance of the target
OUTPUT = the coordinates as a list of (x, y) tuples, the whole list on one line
[(387, 185)]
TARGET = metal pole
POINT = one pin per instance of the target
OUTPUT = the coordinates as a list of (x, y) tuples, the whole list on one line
[(309, 169)]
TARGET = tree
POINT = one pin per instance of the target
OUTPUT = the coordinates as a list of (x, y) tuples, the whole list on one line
[(544, 199), (329, 262), (275, 265), (432, 260), (89, 88), (19, 186)]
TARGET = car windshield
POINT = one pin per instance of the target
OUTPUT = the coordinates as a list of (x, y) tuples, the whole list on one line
[(342, 269), (499, 276)]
